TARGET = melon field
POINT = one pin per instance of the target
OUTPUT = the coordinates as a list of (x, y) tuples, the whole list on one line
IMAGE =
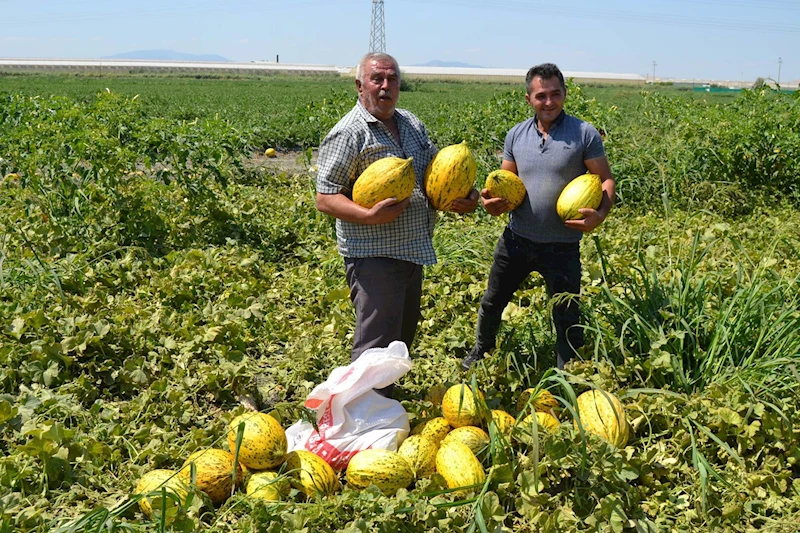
[(159, 276)]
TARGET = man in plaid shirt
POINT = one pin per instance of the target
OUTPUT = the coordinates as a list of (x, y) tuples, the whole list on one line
[(386, 246)]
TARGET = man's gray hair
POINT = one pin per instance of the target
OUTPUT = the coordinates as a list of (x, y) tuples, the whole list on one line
[(374, 56)]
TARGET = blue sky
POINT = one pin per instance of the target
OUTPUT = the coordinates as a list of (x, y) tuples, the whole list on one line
[(710, 39)]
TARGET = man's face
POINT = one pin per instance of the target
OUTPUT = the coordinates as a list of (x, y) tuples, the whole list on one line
[(380, 89), (546, 97)]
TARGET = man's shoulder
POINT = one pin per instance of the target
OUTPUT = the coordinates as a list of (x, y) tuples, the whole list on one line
[(521, 127), (525, 123), (576, 122), (351, 124), (354, 116), (408, 115)]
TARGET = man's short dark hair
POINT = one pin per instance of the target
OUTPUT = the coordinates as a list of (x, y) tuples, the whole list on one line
[(545, 71)]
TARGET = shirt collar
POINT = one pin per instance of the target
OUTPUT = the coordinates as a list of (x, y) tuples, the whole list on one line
[(559, 119), (369, 117)]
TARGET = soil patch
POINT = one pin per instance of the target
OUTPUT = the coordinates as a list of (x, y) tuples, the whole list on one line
[(291, 161)]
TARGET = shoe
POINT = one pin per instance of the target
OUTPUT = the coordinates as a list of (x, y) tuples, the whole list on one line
[(471, 358)]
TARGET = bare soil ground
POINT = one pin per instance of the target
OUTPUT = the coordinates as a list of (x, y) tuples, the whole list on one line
[(292, 161)]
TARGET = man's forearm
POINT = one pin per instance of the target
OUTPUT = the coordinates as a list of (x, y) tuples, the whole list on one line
[(341, 207), (607, 202)]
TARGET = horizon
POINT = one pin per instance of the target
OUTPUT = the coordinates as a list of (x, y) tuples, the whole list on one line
[(216, 63), (679, 39)]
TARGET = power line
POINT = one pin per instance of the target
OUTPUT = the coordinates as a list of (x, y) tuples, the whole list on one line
[(626, 16), (192, 9), (187, 9), (757, 4)]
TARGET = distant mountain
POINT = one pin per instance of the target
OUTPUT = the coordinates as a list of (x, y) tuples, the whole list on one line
[(438, 63), (167, 55)]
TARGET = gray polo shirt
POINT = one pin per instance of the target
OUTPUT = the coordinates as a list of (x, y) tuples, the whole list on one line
[(545, 166), (358, 140)]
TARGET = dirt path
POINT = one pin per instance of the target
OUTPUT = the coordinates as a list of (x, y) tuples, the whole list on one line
[(285, 161)]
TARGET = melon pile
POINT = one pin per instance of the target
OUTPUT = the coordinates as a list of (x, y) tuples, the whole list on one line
[(454, 445), (257, 461)]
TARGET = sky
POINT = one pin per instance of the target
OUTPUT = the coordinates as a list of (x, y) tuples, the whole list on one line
[(736, 40)]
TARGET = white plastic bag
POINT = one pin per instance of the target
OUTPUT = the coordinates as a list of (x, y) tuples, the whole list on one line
[(351, 416)]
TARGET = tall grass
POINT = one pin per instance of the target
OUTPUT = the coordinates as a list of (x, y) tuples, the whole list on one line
[(693, 322)]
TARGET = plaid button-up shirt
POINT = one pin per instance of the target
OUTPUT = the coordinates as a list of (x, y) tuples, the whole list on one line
[(358, 140)]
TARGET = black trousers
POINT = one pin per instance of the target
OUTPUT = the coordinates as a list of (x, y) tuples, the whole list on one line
[(514, 259), (386, 294)]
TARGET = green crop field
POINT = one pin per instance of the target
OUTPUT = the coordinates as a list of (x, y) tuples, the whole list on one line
[(157, 273)]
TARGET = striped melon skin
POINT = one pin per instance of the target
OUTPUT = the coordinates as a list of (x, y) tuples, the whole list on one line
[(450, 175), (151, 504), (267, 485), (585, 191), (263, 441), (387, 470), (540, 422), (602, 414), (503, 421), (544, 421), (460, 408), (214, 468), (435, 428), (390, 177), (505, 184), (542, 401), (420, 452), (474, 437), (310, 474), (459, 466)]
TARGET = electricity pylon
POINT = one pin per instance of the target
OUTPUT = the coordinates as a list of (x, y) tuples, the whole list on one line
[(377, 35)]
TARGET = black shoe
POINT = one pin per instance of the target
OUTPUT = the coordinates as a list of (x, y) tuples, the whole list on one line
[(471, 358)]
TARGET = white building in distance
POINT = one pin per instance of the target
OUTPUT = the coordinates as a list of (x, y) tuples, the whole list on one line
[(135, 66)]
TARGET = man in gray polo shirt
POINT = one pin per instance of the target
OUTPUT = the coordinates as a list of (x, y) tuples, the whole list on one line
[(384, 247), (546, 152)]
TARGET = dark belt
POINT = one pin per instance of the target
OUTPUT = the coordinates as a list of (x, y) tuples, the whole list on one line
[(556, 247)]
